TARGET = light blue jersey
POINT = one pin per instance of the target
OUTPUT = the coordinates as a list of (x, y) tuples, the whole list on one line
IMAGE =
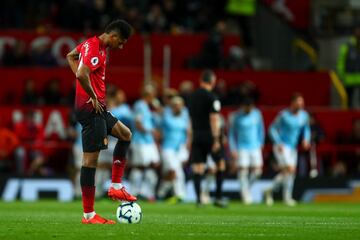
[(246, 130), (124, 113), (143, 114), (288, 127), (174, 129)]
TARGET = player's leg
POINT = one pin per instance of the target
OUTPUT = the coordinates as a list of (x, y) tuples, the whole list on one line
[(168, 172), (256, 163), (198, 158), (87, 182), (123, 134), (93, 140), (289, 176), (278, 180), (243, 174), (152, 161), (137, 169), (209, 179), (179, 182), (179, 187), (219, 159)]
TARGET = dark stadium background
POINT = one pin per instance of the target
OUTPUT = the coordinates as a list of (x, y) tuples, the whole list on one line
[(268, 53)]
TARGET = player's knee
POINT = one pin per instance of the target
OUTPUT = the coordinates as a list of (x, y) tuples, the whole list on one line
[(221, 166), (172, 175), (88, 162), (258, 172)]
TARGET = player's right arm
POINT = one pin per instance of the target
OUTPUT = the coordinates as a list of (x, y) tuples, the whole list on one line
[(82, 73), (73, 60), (83, 76)]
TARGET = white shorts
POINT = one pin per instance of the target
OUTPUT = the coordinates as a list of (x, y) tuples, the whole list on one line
[(173, 160), (286, 158), (183, 154), (144, 154), (250, 158)]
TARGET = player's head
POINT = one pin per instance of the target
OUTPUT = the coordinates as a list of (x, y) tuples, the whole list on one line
[(169, 93), (297, 102), (208, 79), (247, 105), (118, 33), (177, 104), (148, 93)]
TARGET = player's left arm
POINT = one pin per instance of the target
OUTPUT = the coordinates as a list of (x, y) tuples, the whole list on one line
[(73, 60), (215, 124)]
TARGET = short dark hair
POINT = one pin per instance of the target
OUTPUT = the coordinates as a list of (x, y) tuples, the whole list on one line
[(295, 96), (207, 75), (120, 26)]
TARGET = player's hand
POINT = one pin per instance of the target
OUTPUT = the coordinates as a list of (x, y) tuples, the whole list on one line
[(306, 145), (280, 148), (216, 146), (96, 105)]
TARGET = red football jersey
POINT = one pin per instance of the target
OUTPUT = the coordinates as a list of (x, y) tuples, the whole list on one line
[(93, 55)]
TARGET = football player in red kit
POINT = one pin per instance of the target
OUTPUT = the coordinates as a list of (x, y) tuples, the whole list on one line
[(88, 63)]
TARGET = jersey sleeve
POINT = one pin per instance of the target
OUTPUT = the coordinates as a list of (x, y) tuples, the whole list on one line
[(90, 55), (215, 105), (307, 130)]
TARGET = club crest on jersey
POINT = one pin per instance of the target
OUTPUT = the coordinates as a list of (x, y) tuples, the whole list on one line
[(94, 61)]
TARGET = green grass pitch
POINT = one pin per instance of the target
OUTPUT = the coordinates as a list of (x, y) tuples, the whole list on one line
[(53, 220)]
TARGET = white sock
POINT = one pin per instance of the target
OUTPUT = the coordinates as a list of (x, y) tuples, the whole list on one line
[(179, 185), (288, 187), (278, 180), (136, 178), (149, 184), (89, 215), (209, 180), (117, 186), (243, 177), (165, 186), (254, 175)]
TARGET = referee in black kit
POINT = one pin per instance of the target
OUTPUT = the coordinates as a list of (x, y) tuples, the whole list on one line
[(204, 108)]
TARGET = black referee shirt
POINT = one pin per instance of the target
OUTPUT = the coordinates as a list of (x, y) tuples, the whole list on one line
[(202, 103)]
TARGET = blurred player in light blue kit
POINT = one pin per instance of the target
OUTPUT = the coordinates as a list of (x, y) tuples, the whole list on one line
[(175, 129), (246, 139), (288, 127), (145, 155), (116, 101)]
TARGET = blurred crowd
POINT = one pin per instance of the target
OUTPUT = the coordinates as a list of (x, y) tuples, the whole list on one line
[(21, 144), (93, 15)]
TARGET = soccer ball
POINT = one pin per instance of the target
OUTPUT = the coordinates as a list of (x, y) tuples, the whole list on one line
[(129, 212)]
